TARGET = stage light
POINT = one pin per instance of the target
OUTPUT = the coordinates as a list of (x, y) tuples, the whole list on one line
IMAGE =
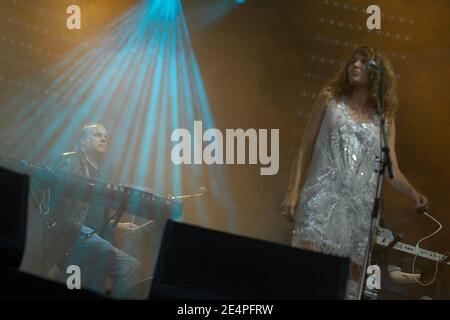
[(141, 78)]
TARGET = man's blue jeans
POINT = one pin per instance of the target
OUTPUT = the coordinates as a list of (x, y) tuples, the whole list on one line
[(98, 260)]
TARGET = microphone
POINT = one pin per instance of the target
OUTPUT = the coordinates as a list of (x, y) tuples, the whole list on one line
[(201, 191), (373, 65), (378, 74)]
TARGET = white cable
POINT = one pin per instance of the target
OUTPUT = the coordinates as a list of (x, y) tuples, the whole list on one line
[(417, 252)]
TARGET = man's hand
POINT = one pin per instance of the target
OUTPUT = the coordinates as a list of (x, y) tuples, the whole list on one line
[(126, 226)]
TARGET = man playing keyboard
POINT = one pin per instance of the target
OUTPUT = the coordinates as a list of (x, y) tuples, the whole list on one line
[(83, 227)]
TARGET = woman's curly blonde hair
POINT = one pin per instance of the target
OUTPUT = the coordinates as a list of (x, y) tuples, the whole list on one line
[(339, 86)]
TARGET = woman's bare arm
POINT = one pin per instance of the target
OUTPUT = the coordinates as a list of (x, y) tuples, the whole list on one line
[(399, 182), (303, 156)]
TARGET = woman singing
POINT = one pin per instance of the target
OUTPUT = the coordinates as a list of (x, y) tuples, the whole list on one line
[(337, 160)]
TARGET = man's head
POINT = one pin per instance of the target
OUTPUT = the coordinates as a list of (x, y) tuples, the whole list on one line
[(93, 140)]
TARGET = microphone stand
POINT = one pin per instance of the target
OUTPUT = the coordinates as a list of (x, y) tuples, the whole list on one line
[(201, 192), (184, 196), (384, 162)]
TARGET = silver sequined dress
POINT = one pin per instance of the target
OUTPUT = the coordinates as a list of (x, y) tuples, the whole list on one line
[(337, 198)]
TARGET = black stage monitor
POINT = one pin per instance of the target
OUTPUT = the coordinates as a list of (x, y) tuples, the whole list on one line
[(21, 285), (196, 263), (13, 216)]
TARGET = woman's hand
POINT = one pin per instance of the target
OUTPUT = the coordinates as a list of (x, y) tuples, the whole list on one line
[(288, 207), (419, 200)]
